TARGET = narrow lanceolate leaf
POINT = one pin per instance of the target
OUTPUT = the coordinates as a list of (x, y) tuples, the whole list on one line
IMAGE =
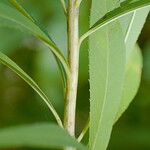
[(26, 14), (116, 14), (130, 86), (42, 135), (14, 67), (17, 20), (20, 8), (132, 80), (107, 70)]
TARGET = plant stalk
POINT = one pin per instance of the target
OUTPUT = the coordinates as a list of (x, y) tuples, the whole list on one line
[(72, 80)]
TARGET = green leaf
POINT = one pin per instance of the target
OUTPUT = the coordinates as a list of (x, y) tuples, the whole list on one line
[(139, 18), (107, 70), (42, 135), (21, 9), (132, 25), (130, 87), (132, 80), (63, 3), (15, 68), (116, 14), (13, 18), (84, 25), (26, 14)]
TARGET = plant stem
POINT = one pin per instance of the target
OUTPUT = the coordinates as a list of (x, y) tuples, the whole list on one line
[(72, 80)]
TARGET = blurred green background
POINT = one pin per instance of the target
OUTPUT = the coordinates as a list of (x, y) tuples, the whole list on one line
[(20, 105)]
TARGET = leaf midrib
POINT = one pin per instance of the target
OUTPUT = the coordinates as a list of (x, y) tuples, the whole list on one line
[(106, 89), (130, 26)]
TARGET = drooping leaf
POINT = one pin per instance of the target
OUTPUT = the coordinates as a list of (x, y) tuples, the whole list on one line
[(107, 69), (116, 14), (26, 14), (15, 68), (132, 80), (13, 18), (42, 135)]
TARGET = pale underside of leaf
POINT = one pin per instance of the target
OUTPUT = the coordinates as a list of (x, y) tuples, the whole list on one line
[(15, 68), (130, 87), (107, 67), (131, 25), (105, 98), (116, 14), (42, 135), (132, 80), (136, 24)]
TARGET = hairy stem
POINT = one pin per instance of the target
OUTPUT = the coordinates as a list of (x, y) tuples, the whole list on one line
[(72, 80)]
